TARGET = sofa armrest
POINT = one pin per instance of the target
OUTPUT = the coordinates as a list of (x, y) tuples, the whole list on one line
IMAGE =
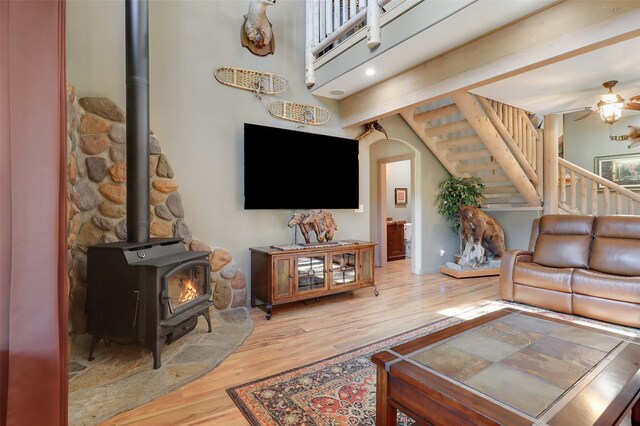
[(507, 264)]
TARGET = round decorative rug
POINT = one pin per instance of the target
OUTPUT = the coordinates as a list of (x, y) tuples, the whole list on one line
[(122, 376)]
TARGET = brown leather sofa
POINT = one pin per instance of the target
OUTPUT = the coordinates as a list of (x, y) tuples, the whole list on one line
[(582, 265)]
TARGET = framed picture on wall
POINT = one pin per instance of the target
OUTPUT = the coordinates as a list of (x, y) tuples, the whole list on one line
[(622, 169), (401, 196)]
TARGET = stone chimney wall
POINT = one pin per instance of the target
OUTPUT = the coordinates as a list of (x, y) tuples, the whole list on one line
[(96, 153)]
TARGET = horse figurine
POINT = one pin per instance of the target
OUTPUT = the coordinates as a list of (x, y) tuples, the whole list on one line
[(321, 223), (297, 219), (329, 225), (313, 222)]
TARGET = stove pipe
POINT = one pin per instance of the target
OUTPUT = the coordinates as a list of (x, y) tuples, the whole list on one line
[(137, 75)]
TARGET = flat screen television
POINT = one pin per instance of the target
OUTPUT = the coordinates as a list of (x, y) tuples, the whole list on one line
[(289, 169)]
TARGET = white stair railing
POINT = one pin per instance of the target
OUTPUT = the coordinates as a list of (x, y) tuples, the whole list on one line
[(328, 20), (582, 188)]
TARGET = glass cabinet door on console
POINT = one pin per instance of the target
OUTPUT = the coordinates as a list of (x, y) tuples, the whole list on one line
[(311, 273), (343, 268), (282, 277)]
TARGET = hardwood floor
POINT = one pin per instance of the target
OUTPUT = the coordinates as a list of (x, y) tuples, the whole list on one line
[(305, 332)]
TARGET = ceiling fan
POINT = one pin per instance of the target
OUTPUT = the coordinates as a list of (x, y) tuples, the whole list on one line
[(611, 104)]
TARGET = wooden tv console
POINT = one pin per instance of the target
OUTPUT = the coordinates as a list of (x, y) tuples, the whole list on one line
[(283, 274)]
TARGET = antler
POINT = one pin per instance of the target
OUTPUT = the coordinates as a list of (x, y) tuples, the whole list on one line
[(372, 126)]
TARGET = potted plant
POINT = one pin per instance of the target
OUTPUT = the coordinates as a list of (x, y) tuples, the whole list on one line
[(455, 193)]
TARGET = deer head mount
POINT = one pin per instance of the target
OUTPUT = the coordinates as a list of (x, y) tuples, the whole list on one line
[(257, 33)]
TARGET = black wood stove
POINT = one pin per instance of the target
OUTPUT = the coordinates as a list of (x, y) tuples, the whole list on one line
[(143, 290), (149, 292)]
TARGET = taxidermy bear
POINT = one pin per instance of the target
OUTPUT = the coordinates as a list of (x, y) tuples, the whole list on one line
[(479, 231)]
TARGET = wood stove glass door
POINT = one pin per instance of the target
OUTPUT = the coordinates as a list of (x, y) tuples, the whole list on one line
[(183, 286)]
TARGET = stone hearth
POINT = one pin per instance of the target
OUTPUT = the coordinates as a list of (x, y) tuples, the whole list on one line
[(97, 196)]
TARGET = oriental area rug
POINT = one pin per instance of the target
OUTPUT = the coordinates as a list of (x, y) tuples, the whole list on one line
[(341, 390), (122, 377)]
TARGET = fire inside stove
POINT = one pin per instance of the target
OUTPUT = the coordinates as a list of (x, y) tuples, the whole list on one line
[(184, 286), (189, 292)]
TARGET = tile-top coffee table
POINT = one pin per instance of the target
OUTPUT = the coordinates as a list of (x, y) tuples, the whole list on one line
[(511, 368)]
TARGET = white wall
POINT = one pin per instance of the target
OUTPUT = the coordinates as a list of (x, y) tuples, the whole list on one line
[(589, 138), (95, 48), (198, 121), (516, 226), (399, 176)]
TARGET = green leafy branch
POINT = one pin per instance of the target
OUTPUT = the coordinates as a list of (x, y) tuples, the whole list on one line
[(455, 193)]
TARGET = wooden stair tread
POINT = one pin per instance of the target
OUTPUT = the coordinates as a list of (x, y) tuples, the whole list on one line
[(460, 142), (434, 114), (445, 129), (502, 195), (471, 168), (494, 178), (498, 204), (510, 201), (508, 189), (467, 155), (510, 207)]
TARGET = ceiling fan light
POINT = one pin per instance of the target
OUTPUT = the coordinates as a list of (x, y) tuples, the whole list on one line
[(611, 98), (610, 112)]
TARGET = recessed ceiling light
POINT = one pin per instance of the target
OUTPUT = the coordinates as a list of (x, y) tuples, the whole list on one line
[(370, 71), (337, 92)]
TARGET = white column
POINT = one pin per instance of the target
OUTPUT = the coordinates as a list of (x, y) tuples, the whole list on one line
[(373, 22), (310, 75), (551, 126)]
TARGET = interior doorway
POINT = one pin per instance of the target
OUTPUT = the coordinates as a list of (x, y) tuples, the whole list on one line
[(387, 205), (396, 204)]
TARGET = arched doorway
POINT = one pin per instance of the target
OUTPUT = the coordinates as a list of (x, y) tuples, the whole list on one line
[(375, 166)]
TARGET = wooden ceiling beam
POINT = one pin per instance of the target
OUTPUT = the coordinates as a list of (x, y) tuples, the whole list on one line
[(565, 30)]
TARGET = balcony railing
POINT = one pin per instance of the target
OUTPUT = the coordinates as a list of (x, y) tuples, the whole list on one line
[(330, 22)]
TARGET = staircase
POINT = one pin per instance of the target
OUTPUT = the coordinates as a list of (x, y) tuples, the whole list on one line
[(474, 136)]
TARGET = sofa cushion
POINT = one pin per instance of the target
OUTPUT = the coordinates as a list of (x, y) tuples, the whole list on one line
[(564, 241), (566, 224), (548, 299), (616, 246), (617, 227), (562, 251), (624, 313), (614, 287), (534, 275)]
